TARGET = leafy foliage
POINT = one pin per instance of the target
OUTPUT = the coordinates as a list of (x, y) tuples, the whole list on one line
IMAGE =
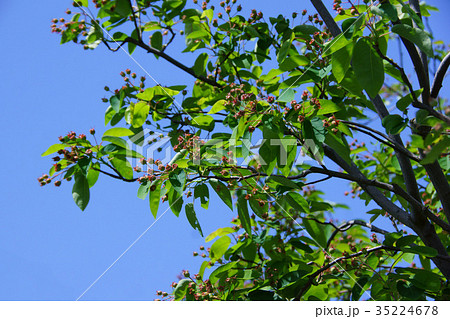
[(300, 89)]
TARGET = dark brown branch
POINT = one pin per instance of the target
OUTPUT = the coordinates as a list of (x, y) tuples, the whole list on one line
[(439, 77), (432, 111), (326, 17), (387, 140), (347, 225), (172, 61), (137, 28), (115, 176), (335, 261), (373, 192)]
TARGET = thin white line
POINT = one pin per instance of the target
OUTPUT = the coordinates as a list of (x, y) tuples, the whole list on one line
[(135, 61), (126, 250), (323, 249), (309, 67)]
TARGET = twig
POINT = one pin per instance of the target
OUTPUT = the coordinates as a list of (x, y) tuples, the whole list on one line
[(439, 77)]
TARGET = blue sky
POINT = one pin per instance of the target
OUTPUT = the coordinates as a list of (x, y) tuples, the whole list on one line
[(49, 249)]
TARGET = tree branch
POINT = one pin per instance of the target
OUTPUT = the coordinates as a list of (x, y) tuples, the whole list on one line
[(172, 61), (387, 140), (347, 225), (439, 77)]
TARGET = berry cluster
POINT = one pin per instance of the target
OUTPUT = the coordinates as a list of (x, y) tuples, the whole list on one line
[(73, 26), (188, 141), (337, 6), (152, 174), (332, 123)]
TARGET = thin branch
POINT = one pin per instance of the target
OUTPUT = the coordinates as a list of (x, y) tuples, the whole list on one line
[(373, 192), (335, 261), (172, 61), (439, 77), (115, 176), (347, 225), (432, 111), (138, 30), (388, 141)]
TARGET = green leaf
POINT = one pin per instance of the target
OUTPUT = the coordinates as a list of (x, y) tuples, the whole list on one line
[(140, 113), (155, 192), (93, 174), (175, 201), (335, 45), (385, 10), (394, 124), (118, 131), (368, 66), (285, 181), (115, 103), (200, 64), (80, 191), (420, 250), (122, 165), (287, 95), (298, 202), (409, 291), (192, 217), (83, 3), (178, 156), (156, 40), (217, 107), (340, 62), (180, 290), (284, 50), (178, 178), (219, 233), (405, 240), (201, 191), (436, 151), (83, 164), (317, 232), (358, 287), (143, 190), (219, 247), (204, 122), (327, 107), (53, 149), (417, 36), (339, 146), (293, 62), (109, 113), (243, 214), (223, 192)]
